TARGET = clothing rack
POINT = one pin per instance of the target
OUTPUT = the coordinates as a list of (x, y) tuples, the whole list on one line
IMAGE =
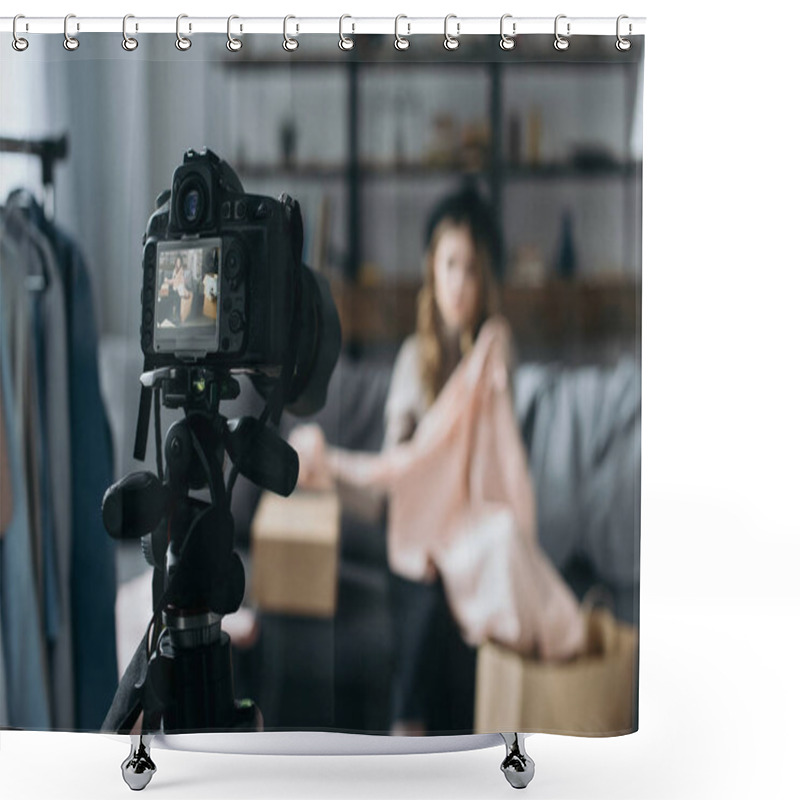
[(58, 634), (49, 151)]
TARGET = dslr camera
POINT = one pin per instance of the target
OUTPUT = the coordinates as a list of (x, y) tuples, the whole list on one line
[(224, 286), (224, 290)]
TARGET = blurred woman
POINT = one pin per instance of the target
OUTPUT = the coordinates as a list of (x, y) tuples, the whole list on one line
[(457, 324)]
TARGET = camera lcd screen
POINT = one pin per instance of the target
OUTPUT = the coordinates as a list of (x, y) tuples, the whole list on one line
[(187, 296)]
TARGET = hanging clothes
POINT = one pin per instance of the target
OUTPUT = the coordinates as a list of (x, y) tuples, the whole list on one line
[(6, 504), (26, 688), (93, 566), (49, 417), (69, 436)]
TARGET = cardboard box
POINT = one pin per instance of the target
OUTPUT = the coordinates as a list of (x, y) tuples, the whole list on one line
[(295, 553), (592, 695)]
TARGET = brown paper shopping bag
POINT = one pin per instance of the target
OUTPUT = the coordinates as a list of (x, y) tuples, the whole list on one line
[(592, 695)]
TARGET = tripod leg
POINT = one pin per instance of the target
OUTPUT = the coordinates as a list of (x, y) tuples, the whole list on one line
[(517, 766), (138, 768)]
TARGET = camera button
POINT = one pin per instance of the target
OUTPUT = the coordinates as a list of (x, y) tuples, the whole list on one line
[(233, 265), (240, 209), (235, 321), (226, 210)]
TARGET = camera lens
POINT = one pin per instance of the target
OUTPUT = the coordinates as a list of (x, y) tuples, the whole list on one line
[(191, 205)]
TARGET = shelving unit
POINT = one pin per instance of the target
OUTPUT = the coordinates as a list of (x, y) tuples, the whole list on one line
[(552, 312), (577, 321), (510, 172)]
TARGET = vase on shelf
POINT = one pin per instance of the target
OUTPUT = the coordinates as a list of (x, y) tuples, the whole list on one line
[(566, 262)]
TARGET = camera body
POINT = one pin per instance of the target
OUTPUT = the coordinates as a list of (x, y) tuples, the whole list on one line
[(222, 280)]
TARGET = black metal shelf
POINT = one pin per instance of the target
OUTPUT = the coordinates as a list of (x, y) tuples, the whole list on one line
[(509, 171), (483, 53), (255, 171), (365, 171), (567, 171), (377, 50)]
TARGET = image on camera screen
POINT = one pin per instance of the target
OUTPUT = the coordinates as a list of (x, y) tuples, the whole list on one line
[(187, 294)]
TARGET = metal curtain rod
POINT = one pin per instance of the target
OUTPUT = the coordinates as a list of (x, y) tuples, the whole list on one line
[(75, 25)]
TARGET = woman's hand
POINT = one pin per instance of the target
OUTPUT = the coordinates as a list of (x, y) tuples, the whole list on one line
[(312, 452), (495, 334)]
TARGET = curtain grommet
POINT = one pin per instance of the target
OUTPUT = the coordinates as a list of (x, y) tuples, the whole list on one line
[(233, 44), (290, 44), (507, 42), (345, 42), (622, 44), (70, 42), (401, 42), (561, 43), (450, 41), (182, 42), (19, 43), (129, 43)]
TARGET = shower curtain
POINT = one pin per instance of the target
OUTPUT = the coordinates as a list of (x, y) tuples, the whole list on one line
[(458, 232)]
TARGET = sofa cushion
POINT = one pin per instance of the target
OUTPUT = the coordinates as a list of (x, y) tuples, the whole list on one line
[(582, 430)]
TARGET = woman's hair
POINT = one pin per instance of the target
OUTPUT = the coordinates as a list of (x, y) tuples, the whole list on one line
[(465, 208)]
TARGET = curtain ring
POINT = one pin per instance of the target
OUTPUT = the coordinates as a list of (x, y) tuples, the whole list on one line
[(181, 42), (345, 42), (507, 42), (19, 44), (128, 42), (400, 42), (290, 44), (561, 43), (70, 42), (623, 44), (233, 44), (451, 42)]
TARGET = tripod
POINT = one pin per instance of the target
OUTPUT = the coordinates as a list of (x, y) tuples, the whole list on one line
[(181, 677)]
